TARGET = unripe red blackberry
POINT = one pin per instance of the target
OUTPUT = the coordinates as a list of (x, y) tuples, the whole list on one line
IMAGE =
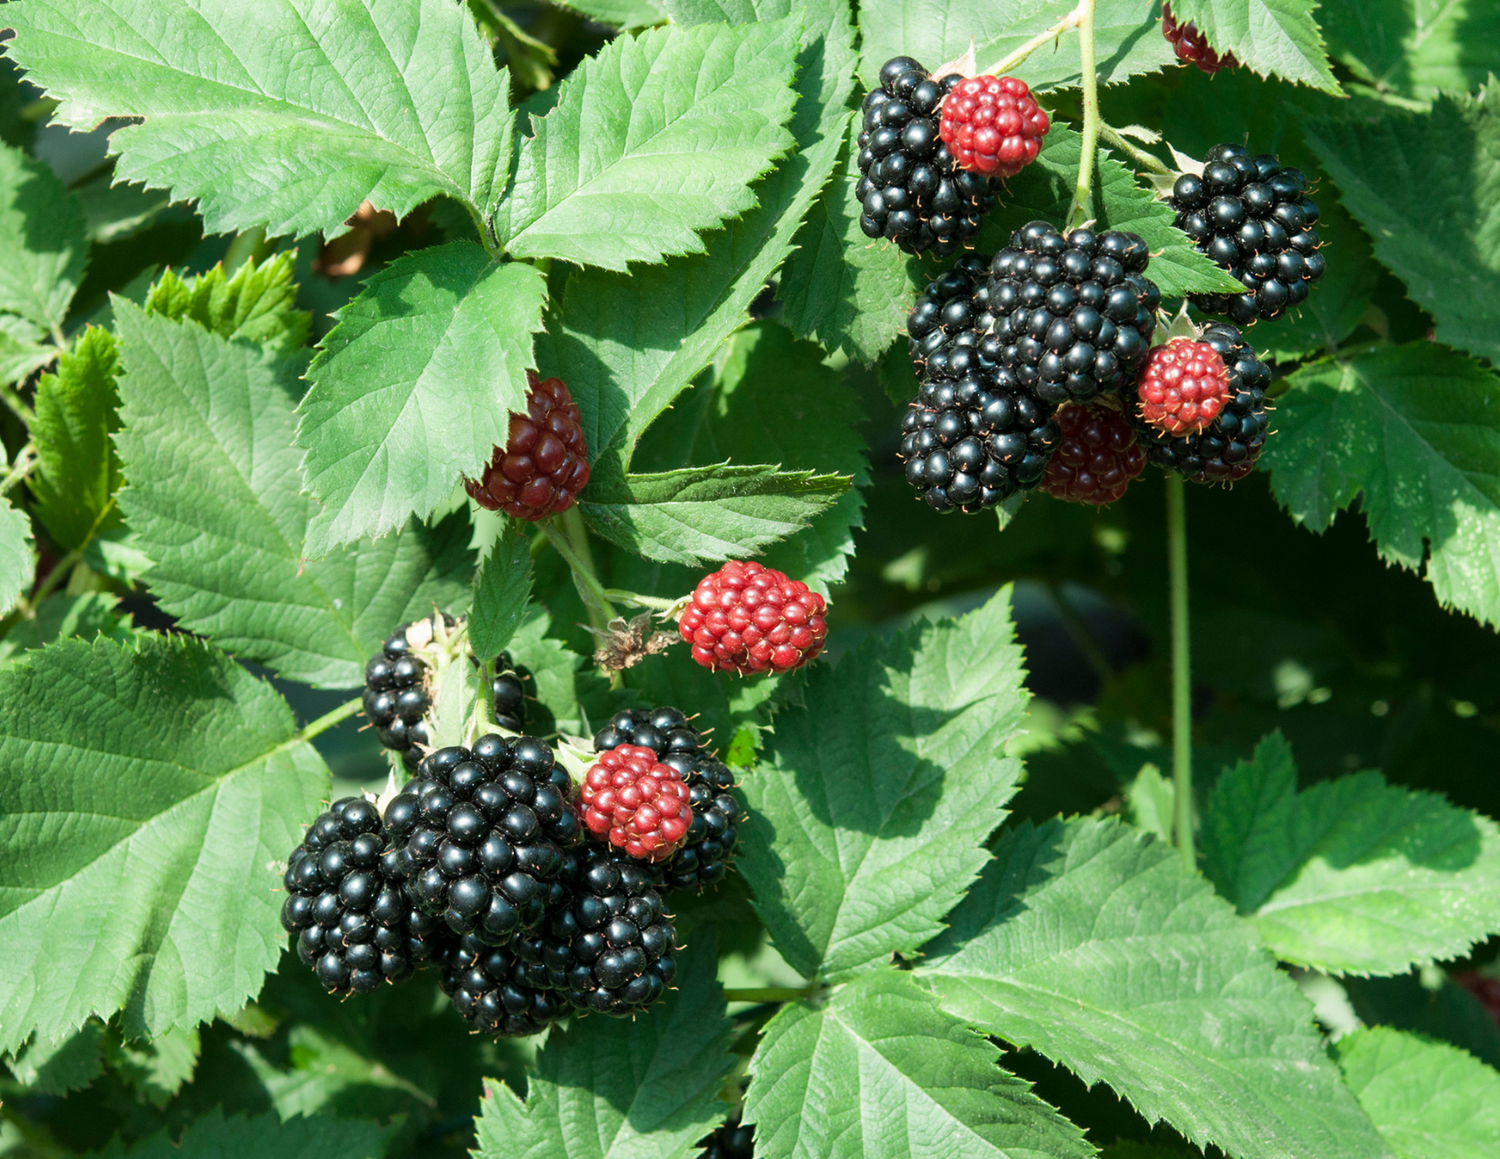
[(352, 921), (954, 303), (1075, 314), (1183, 386), (747, 618), (1252, 218), (992, 125), (1097, 456), (636, 803), (1191, 46), (544, 463), (1227, 448), (911, 189)]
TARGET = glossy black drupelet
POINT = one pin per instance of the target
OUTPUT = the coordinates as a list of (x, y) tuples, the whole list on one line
[(957, 302), (351, 919), (488, 987), (708, 853), (1075, 314), (1253, 218), (911, 189), (396, 697), (481, 834), (509, 691), (1227, 449), (974, 435)]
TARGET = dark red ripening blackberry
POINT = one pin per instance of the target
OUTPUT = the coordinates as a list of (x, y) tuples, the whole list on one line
[(349, 915), (1227, 448), (956, 302), (730, 1141), (396, 697), (974, 435), (1254, 219), (1097, 457), (1074, 315), (708, 850), (1191, 46), (489, 989), (480, 835), (545, 461), (911, 189)]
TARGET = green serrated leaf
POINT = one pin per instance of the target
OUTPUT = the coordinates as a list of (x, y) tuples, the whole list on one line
[(414, 387), (1429, 1100), (326, 1075), (156, 1069), (215, 500), (620, 1089), (56, 1067), (652, 141), (627, 345), (934, 31), (870, 808), (286, 114), (1094, 944), (1448, 1012), (43, 236), (128, 775), (256, 304), (1415, 48), (17, 560), (19, 356), (78, 470), (502, 589), (566, 689), (698, 514), (116, 212), (879, 1071), (1353, 875), (212, 1136), (62, 617), (1411, 429), (1426, 188), (626, 15), (1270, 37)]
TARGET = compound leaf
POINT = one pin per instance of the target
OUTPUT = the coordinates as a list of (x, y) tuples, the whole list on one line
[(286, 114), (873, 800), (1411, 429), (215, 500), (653, 140), (1270, 37), (414, 387), (1353, 875), (1093, 944), (879, 1071), (145, 793)]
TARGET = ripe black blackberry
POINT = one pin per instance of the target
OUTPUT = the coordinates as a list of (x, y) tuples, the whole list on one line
[(1253, 218), (1075, 314), (489, 990), (911, 189), (1227, 448), (956, 302), (353, 923), (509, 692), (396, 697), (708, 853), (974, 435), (480, 835), (730, 1141)]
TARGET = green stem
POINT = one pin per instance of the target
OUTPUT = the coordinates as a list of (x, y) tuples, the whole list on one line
[(1071, 20), (621, 596), (771, 994), (60, 570), (567, 534), (19, 469), (1140, 156), (18, 405), (1182, 677), (1079, 212), (329, 719)]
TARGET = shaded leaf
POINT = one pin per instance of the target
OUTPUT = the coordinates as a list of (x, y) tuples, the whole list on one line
[(1412, 47), (212, 1136), (43, 236)]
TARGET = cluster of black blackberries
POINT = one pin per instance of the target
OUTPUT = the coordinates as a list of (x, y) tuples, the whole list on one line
[(1254, 219), (911, 190)]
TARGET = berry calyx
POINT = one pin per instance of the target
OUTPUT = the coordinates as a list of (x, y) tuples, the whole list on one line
[(747, 619), (1183, 386), (544, 463), (636, 803), (992, 125), (1096, 457), (1191, 46)]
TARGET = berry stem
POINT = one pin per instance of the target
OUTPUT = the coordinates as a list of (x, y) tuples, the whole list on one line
[(656, 603), (771, 994), (1078, 213), (1182, 679), (568, 535), (313, 727), (1142, 158), (1071, 20)]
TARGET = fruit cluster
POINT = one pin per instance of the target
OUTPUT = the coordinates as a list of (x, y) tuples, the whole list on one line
[(488, 865)]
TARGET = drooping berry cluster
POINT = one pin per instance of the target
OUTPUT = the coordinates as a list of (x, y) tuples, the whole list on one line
[(1227, 448), (347, 911), (1254, 219), (1183, 386), (1097, 455), (544, 463), (1191, 46), (911, 189), (747, 618), (992, 125), (636, 803), (1075, 314)]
